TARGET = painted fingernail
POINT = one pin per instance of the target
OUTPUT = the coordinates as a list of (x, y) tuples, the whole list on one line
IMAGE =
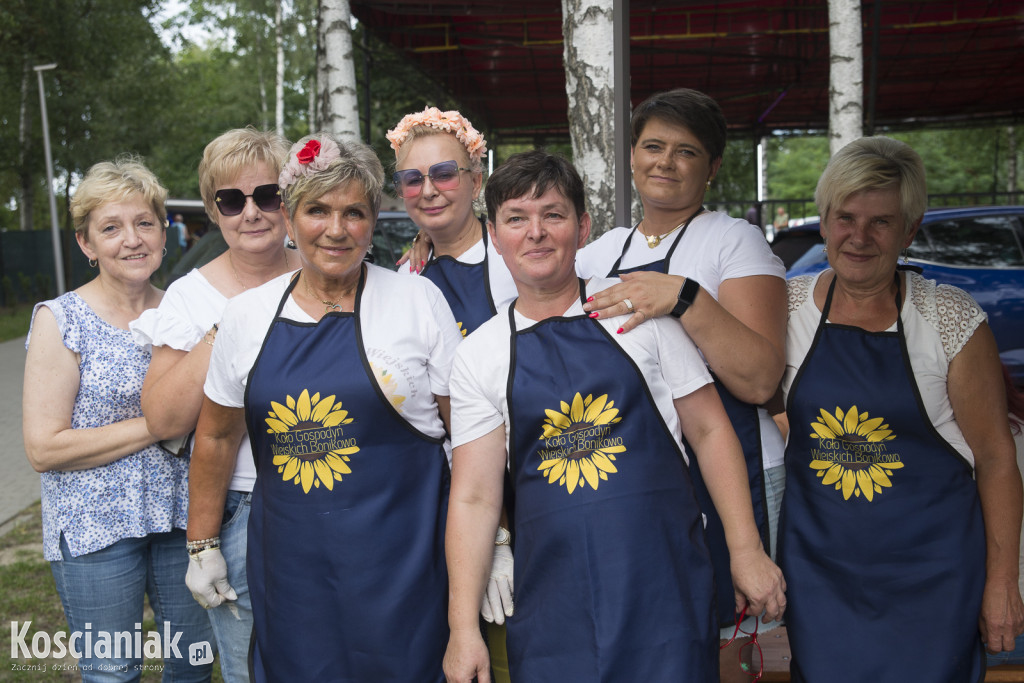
[(594, 314), (618, 331), (590, 299)]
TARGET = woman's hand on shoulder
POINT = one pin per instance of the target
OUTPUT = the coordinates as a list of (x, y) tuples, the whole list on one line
[(759, 584), (650, 294), (1002, 614), (418, 253)]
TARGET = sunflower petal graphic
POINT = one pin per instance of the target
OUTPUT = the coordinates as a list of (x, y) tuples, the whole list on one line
[(849, 483), (595, 408), (851, 421), (322, 409), (577, 409), (302, 406), (589, 472), (865, 484), (572, 474), (285, 414), (832, 423), (324, 474)]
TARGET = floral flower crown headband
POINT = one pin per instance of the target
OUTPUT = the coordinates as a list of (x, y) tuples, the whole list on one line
[(311, 157), (447, 121)]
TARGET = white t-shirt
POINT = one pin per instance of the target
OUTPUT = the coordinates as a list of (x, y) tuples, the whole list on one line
[(938, 320), (409, 337), (503, 287), (188, 310), (480, 372), (714, 248)]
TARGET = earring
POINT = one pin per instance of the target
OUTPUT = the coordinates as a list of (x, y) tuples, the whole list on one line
[(906, 255), (165, 251), (824, 248), (92, 263), (709, 183), (290, 244)]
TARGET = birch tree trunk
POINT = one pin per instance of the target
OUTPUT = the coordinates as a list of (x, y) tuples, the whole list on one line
[(588, 33), (26, 193), (279, 79), (336, 74), (846, 73), (1011, 161)]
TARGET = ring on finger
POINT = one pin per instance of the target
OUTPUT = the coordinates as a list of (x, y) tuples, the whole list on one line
[(629, 305)]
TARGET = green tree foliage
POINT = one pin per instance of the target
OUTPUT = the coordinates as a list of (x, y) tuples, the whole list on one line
[(101, 99)]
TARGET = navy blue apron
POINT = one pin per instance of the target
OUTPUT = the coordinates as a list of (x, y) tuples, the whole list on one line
[(881, 537), (613, 579), (346, 535), (466, 288), (747, 423)]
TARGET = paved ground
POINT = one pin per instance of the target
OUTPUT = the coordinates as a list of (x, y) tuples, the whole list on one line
[(19, 484)]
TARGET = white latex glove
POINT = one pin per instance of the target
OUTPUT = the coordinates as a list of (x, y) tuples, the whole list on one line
[(497, 602), (207, 578)]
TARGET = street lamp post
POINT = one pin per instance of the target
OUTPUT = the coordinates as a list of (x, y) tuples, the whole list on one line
[(58, 255)]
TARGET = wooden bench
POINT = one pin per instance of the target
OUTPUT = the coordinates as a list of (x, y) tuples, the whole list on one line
[(775, 650)]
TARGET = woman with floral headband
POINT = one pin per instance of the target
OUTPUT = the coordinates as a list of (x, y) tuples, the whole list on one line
[(438, 173), (433, 150), (339, 374)]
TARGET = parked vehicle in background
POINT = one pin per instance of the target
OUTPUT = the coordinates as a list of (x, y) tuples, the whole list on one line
[(979, 249), (392, 236)]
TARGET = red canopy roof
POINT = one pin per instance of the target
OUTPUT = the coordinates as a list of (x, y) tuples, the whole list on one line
[(765, 61)]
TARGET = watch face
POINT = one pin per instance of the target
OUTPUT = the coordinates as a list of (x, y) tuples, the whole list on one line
[(503, 536)]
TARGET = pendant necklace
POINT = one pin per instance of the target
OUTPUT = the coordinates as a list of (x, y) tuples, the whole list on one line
[(655, 240), (328, 305)]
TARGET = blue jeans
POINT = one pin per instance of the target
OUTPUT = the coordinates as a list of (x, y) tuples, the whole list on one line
[(232, 621), (103, 592), (774, 488), (1014, 656)]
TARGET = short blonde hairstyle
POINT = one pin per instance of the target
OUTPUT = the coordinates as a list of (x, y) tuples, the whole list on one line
[(231, 153), (116, 181), (874, 163), (357, 163)]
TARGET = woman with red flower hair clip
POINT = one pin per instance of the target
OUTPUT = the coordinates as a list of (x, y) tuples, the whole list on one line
[(339, 375)]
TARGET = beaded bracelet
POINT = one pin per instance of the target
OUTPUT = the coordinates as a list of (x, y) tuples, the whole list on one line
[(196, 547)]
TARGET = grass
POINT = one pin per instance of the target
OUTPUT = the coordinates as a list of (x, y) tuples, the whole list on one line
[(29, 594), (14, 322)]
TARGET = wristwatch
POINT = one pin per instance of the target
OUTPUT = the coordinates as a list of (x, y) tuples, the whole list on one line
[(687, 293), (503, 537)]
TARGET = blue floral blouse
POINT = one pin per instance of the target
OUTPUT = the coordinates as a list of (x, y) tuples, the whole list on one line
[(142, 493)]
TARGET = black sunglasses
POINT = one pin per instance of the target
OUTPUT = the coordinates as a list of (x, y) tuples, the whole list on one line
[(444, 175), (232, 202)]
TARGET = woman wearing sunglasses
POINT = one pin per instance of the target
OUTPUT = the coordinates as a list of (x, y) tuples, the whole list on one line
[(438, 175), (238, 182), (340, 375)]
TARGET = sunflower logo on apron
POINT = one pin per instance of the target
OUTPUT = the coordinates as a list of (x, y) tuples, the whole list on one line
[(309, 446), (579, 450), (852, 454)]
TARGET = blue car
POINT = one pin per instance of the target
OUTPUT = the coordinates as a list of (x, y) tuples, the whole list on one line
[(979, 249)]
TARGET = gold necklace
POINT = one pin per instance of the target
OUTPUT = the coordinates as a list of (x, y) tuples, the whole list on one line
[(231, 260), (655, 240), (328, 305)]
